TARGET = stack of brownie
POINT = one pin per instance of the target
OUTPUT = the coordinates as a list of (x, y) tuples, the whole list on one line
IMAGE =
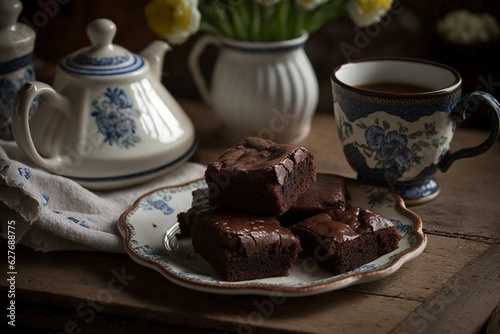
[(264, 204)]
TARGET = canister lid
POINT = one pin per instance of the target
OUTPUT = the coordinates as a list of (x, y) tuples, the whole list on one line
[(16, 39)]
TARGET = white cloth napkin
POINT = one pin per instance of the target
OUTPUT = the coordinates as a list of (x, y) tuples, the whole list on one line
[(54, 213)]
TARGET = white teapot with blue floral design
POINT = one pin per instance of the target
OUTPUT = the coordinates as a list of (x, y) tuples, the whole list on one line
[(108, 121)]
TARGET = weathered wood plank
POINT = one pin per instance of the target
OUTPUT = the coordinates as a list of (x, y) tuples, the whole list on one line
[(464, 303), (417, 280), (116, 285)]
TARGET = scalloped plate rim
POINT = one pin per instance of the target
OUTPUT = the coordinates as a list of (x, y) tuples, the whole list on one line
[(255, 287)]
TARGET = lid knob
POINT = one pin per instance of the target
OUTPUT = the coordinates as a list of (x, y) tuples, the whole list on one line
[(101, 33), (9, 13), (102, 58)]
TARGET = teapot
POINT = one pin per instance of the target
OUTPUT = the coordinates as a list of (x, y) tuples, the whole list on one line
[(107, 121)]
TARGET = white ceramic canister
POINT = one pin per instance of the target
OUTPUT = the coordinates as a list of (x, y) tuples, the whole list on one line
[(17, 42)]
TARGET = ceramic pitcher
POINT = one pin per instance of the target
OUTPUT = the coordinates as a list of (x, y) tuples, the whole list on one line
[(265, 89)]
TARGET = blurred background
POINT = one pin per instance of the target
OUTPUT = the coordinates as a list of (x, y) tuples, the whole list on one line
[(60, 27)]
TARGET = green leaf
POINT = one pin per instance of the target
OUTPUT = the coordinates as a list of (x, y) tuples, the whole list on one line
[(415, 134), (239, 16), (361, 125), (435, 142), (256, 21), (402, 129), (349, 128), (282, 17)]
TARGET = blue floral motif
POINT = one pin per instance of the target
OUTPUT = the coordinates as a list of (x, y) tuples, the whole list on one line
[(402, 228), (8, 91), (114, 116), (72, 219), (430, 129), (380, 197), (24, 172), (46, 199), (149, 252), (390, 148), (160, 204)]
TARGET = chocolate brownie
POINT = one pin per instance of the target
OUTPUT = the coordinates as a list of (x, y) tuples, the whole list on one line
[(341, 241), (199, 203), (242, 246), (328, 192), (260, 176)]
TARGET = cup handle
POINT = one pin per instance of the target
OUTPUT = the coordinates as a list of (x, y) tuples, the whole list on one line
[(194, 65), (21, 124), (460, 113)]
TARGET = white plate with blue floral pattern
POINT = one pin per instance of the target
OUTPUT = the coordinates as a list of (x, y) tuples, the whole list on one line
[(150, 225)]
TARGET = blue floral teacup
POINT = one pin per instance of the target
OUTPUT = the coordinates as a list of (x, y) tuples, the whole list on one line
[(396, 119)]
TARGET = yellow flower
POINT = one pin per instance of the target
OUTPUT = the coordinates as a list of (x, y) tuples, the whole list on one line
[(174, 20), (366, 12), (374, 5)]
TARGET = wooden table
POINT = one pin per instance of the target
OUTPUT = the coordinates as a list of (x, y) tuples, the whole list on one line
[(452, 287)]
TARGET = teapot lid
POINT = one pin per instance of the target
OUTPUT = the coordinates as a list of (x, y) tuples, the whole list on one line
[(102, 57)]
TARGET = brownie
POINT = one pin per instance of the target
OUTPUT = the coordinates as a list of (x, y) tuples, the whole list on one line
[(341, 241), (199, 203), (242, 246), (327, 193), (260, 176)]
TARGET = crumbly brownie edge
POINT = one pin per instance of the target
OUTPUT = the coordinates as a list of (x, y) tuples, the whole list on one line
[(232, 263), (264, 194), (342, 257)]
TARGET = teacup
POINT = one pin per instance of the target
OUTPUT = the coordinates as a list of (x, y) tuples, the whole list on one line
[(396, 118)]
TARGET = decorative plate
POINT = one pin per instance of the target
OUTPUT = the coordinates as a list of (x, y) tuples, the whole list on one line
[(149, 229)]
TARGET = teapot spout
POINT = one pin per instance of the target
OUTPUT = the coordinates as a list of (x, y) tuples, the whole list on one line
[(154, 54)]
